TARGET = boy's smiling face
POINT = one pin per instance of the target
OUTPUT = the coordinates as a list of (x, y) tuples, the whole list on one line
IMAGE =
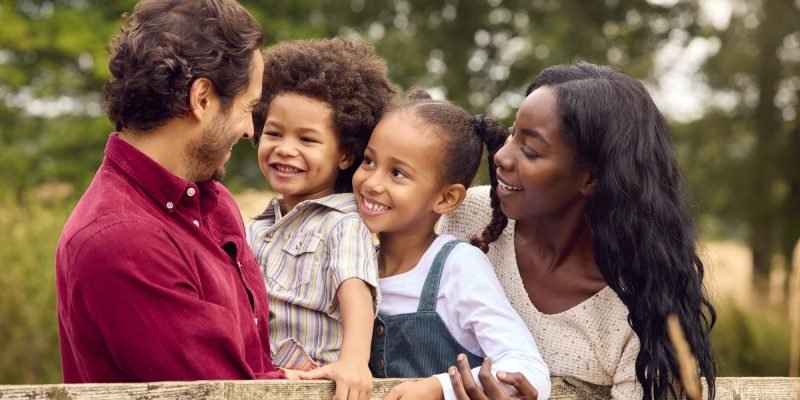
[(299, 152), (398, 183)]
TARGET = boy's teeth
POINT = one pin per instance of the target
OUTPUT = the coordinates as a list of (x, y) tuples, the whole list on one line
[(288, 170)]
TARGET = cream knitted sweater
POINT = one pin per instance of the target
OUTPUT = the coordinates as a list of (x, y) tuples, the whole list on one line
[(591, 341)]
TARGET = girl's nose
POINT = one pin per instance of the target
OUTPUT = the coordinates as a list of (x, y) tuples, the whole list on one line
[(373, 184)]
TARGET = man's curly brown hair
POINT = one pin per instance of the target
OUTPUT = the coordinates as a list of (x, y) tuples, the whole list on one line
[(164, 45), (347, 75)]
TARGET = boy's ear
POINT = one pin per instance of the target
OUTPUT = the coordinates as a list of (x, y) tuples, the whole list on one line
[(346, 161), (588, 182), (200, 97), (449, 198)]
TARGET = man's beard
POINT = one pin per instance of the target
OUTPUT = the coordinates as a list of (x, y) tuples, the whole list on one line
[(206, 155)]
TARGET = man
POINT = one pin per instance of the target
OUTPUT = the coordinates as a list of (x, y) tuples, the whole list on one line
[(154, 276)]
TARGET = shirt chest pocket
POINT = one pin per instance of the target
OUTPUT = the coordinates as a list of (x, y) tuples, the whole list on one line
[(301, 255)]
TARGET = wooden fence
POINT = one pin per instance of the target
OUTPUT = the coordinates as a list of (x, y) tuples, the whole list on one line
[(727, 388)]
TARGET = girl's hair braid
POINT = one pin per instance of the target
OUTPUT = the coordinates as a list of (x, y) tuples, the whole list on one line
[(494, 136)]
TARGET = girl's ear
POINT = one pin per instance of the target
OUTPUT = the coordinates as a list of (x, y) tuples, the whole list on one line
[(449, 198), (588, 182), (346, 161), (200, 96)]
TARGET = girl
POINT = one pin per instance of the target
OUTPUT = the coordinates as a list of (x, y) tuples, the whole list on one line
[(440, 296), (320, 101)]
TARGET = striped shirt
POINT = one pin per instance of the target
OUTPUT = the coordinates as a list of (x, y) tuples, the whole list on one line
[(304, 256)]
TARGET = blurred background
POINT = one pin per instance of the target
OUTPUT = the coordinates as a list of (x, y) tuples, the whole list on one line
[(724, 72)]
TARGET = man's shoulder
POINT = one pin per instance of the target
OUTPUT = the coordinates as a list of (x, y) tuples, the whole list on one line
[(107, 209)]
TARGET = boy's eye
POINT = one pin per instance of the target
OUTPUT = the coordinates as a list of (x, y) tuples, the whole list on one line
[(308, 140), (397, 173)]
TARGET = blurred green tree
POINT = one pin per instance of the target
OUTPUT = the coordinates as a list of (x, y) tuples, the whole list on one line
[(743, 154)]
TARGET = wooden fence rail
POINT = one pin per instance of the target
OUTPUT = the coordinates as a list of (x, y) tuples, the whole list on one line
[(778, 388)]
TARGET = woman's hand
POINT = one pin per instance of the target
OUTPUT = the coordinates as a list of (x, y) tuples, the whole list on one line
[(425, 389), (466, 388), (353, 379)]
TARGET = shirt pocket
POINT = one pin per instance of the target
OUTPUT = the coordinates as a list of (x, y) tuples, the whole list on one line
[(302, 257)]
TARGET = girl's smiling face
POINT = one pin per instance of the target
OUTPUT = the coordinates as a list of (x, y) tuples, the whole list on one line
[(299, 152), (397, 186)]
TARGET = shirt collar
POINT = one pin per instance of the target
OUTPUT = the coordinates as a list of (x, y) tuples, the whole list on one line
[(342, 202), (163, 186)]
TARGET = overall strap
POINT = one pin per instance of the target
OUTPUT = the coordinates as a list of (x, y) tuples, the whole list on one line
[(430, 290)]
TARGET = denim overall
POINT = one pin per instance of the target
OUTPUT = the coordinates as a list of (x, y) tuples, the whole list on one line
[(417, 344)]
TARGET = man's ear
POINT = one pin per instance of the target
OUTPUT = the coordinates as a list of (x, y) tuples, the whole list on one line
[(449, 198), (588, 182), (346, 161), (200, 97)]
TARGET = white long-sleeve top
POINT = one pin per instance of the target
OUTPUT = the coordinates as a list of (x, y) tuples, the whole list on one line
[(473, 306)]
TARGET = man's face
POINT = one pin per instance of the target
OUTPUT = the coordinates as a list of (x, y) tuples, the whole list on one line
[(208, 153)]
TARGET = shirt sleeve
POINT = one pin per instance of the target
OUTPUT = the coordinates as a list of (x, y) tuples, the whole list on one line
[(352, 255), (143, 304), (475, 298), (625, 386)]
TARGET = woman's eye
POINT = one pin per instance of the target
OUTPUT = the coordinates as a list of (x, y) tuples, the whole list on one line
[(529, 153)]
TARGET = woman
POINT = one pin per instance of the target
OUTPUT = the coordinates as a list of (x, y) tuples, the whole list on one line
[(589, 235)]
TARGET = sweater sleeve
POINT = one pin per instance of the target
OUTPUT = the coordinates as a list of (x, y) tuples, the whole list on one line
[(475, 306), (625, 386)]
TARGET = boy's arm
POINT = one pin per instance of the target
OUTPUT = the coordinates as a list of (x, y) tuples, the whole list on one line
[(351, 373)]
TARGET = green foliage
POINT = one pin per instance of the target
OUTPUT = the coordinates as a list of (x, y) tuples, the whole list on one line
[(29, 328), (750, 342), (743, 154)]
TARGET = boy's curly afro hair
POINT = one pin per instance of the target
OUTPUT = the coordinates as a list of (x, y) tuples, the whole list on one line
[(347, 75)]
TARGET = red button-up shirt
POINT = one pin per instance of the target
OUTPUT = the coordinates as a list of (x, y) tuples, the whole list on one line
[(156, 281)]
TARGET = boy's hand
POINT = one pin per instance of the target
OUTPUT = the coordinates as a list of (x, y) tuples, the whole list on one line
[(425, 389), (353, 379)]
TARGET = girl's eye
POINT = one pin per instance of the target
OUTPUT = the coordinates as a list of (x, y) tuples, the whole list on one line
[(308, 140), (272, 134), (397, 173), (367, 162), (529, 153)]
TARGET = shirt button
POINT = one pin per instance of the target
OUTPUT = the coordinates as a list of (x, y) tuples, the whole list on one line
[(255, 320), (381, 364), (379, 330), (196, 223), (170, 205), (268, 238), (191, 192)]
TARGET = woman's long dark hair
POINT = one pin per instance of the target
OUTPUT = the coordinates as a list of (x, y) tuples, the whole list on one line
[(643, 237)]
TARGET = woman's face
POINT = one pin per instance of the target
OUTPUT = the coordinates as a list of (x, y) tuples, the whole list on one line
[(536, 167)]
